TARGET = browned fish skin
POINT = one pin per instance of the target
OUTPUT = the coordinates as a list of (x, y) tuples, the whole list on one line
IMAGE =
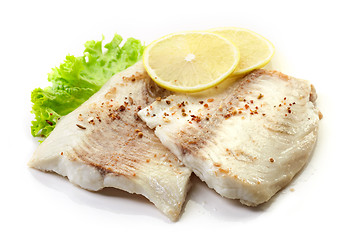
[(103, 143), (246, 141)]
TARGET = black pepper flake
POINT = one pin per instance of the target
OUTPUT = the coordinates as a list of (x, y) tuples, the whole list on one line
[(168, 102), (49, 122), (79, 126), (195, 118), (136, 117), (181, 104), (122, 108)]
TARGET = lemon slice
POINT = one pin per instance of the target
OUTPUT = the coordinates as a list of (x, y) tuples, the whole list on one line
[(255, 50), (190, 61)]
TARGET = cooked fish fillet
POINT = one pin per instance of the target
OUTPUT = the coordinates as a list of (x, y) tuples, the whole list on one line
[(246, 141), (103, 143)]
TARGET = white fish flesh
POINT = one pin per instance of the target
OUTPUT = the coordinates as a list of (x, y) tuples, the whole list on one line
[(103, 143), (246, 140)]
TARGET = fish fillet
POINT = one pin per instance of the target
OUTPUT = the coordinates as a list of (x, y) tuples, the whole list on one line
[(246, 140), (103, 143)]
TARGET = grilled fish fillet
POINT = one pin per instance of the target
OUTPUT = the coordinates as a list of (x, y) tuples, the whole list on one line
[(103, 143), (246, 140)]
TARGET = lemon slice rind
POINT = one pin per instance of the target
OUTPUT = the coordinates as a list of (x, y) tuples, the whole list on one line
[(258, 64)]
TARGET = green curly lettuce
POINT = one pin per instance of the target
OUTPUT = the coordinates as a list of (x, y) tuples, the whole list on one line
[(78, 78)]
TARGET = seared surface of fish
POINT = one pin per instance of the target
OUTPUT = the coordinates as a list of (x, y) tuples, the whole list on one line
[(246, 140), (103, 143)]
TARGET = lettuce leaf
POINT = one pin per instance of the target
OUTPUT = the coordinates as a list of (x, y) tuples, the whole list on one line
[(78, 78)]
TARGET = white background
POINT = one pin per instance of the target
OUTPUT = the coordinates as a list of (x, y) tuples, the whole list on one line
[(311, 40)]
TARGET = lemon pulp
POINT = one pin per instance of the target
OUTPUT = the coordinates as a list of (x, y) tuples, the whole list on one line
[(255, 50), (190, 61)]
